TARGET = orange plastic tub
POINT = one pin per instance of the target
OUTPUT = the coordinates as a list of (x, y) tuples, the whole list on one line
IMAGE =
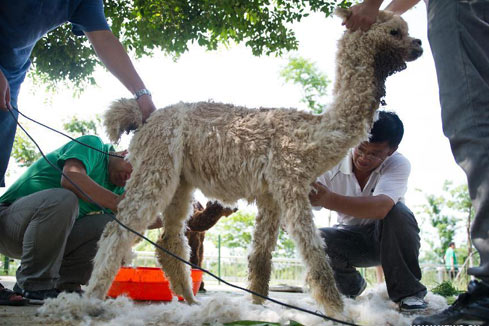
[(147, 283)]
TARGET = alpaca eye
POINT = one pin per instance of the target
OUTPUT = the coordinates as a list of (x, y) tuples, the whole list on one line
[(395, 32)]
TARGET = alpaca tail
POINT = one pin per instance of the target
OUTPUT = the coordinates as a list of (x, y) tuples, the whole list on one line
[(123, 115)]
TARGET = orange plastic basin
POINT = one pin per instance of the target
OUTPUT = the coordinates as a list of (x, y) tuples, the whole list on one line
[(147, 283)]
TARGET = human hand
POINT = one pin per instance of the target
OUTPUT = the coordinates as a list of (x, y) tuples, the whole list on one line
[(146, 106), (4, 93), (362, 16), (318, 195)]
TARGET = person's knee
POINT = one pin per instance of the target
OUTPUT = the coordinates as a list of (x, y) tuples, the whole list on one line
[(64, 204), (327, 234), (332, 241), (400, 214)]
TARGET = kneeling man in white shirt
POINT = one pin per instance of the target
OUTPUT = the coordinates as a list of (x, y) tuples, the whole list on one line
[(374, 227)]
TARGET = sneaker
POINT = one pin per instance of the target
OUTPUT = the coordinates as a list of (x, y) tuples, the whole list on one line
[(10, 298), (412, 304), (471, 308), (36, 297)]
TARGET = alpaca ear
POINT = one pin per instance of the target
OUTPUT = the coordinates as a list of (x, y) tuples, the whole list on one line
[(342, 13), (384, 16)]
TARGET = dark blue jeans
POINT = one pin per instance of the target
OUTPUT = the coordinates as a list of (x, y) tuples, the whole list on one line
[(8, 126), (392, 242), (459, 37)]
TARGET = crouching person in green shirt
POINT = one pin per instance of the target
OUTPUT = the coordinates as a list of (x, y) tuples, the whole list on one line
[(50, 225)]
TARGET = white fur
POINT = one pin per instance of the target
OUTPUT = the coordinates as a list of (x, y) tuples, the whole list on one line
[(372, 308)]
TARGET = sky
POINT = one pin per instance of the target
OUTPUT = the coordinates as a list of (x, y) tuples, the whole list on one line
[(234, 75)]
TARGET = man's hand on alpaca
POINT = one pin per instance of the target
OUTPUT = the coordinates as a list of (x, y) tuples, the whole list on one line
[(319, 194), (363, 15)]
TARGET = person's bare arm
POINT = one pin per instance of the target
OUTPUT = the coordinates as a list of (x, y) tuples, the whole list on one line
[(75, 170), (401, 6), (115, 58), (372, 207)]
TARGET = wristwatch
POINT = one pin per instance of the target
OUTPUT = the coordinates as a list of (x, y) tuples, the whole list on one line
[(140, 93)]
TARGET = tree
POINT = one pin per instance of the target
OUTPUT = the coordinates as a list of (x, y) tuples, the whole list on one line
[(24, 151), (171, 25), (236, 232), (314, 83), (460, 200), (446, 212), (77, 127)]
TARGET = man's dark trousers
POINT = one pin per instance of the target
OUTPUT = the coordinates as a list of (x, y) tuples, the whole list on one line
[(392, 242)]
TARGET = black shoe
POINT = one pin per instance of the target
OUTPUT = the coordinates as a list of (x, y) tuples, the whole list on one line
[(412, 304), (10, 298), (360, 291), (471, 308), (36, 297)]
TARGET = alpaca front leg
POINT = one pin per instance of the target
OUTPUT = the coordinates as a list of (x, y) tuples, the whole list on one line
[(116, 242), (264, 241), (174, 240), (300, 225)]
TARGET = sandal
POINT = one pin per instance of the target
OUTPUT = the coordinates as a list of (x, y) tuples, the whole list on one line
[(10, 298)]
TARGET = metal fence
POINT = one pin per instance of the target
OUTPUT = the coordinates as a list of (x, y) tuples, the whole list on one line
[(289, 271)]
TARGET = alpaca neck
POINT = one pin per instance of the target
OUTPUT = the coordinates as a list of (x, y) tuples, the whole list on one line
[(356, 98)]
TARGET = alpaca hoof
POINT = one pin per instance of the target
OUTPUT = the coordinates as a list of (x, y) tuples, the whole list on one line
[(257, 300), (335, 308), (96, 312), (192, 302)]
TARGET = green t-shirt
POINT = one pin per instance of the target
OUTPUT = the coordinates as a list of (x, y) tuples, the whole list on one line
[(41, 175), (448, 258)]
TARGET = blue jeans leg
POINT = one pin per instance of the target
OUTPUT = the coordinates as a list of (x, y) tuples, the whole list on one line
[(458, 31), (8, 126)]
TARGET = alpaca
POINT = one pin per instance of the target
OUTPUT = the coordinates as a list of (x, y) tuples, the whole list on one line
[(267, 156), (197, 224)]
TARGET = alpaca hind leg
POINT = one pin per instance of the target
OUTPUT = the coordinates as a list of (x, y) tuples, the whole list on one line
[(174, 240), (300, 225), (264, 241)]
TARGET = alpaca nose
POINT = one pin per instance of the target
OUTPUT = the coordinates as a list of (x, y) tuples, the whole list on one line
[(417, 42)]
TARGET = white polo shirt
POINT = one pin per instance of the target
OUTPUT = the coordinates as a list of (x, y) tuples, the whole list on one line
[(389, 179)]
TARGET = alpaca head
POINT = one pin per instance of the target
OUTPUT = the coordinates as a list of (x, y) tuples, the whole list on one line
[(386, 45)]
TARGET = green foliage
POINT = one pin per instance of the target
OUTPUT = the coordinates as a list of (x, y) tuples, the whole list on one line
[(61, 56), (171, 25), (314, 83), (236, 232), (24, 151), (446, 212), (445, 289), (144, 245), (77, 127), (259, 323)]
